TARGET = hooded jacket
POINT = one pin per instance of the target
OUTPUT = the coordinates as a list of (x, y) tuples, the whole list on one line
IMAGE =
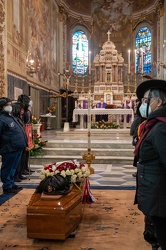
[(151, 166), (12, 135)]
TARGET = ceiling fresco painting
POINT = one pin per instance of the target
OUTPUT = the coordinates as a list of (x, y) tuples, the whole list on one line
[(112, 14), (117, 16)]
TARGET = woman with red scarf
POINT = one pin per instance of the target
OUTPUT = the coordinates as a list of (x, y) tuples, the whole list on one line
[(151, 154)]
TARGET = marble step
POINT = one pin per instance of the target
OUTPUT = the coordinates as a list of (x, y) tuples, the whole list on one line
[(103, 144), (46, 159), (96, 151)]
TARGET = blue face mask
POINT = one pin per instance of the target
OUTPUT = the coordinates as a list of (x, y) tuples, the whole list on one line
[(142, 109)]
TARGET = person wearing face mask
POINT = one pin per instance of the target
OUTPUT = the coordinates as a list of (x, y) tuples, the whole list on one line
[(26, 116), (151, 154), (135, 126), (12, 142)]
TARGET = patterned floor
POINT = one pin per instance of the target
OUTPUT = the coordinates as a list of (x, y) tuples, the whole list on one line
[(105, 177)]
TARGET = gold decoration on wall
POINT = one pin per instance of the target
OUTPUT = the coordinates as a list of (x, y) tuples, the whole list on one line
[(2, 78), (52, 109)]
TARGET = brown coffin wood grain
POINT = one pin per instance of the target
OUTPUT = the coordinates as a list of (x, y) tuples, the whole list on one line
[(54, 218)]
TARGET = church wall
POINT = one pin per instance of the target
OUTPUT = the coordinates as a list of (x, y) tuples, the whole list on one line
[(40, 20), (37, 19)]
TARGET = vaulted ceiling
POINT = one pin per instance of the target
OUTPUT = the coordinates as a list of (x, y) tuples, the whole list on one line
[(110, 14), (120, 17), (117, 16)]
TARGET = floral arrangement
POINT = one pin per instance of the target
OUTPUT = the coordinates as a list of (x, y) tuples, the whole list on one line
[(73, 171), (104, 125), (38, 145), (35, 120)]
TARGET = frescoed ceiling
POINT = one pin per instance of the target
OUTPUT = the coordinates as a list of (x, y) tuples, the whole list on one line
[(109, 14), (120, 17), (113, 15)]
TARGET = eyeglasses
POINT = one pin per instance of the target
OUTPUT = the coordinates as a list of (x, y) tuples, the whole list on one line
[(144, 100)]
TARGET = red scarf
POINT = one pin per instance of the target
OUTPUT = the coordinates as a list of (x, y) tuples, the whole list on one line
[(145, 130)]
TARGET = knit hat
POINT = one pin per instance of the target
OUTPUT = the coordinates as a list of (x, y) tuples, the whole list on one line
[(150, 84), (4, 101)]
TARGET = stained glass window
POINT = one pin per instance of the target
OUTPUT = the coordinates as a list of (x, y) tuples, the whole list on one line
[(143, 44), (80, 53)]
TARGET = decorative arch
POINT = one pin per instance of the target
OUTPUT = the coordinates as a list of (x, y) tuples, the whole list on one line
[(143, 46)]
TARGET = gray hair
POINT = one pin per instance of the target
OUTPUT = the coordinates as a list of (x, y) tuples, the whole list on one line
[(158, 93)]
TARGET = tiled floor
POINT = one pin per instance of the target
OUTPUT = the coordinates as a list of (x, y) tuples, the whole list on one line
[(107, 176)]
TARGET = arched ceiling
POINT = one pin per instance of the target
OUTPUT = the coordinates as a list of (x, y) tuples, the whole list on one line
[(117, 16), (110, 14)]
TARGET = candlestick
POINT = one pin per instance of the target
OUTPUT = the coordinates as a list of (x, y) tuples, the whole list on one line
[(89, 120), (142, 61), (129, 61), (89, 62), (76, 63), (135, 53)]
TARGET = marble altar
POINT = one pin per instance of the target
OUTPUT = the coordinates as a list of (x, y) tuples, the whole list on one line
[(117, 112)]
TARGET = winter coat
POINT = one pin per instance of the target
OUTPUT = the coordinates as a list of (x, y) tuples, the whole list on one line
[(12, 135), (134, 128), (151, 166)]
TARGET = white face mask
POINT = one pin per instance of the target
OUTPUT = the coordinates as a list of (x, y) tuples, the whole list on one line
[(143, 109), (8, 109)]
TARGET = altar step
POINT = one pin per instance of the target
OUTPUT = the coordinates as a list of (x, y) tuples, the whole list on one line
[(105, 151)]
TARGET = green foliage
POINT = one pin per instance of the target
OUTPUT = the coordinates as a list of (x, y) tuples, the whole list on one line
[(104, 125), (38, 145)]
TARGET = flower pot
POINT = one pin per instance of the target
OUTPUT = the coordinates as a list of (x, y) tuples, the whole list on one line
[(36, 128)]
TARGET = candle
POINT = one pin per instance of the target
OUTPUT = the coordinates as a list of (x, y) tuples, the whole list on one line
[(142, 61), (76, 63), (89, 120), (89, 62), (129, 61), (135, 54)]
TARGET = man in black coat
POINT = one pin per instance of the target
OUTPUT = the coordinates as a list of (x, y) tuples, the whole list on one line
[(12, 143)]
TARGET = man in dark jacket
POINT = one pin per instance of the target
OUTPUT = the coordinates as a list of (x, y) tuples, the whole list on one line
[(12, 142), (151, 153)]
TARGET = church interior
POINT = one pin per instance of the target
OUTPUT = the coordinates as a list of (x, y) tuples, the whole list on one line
[(67, 55)]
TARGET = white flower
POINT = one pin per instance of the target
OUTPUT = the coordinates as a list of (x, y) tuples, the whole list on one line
[(79, 174), (57, 172), (42, 176), (72, 171), (63, 173), (84, 169), (68, 172), (73, 175), (50, 173), (73, 178), (76, 170), (86, 174)]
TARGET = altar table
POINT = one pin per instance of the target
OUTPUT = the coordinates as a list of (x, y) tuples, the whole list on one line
[(117, 112)]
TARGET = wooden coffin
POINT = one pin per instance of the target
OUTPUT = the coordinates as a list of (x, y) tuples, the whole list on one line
[(54, 217)]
